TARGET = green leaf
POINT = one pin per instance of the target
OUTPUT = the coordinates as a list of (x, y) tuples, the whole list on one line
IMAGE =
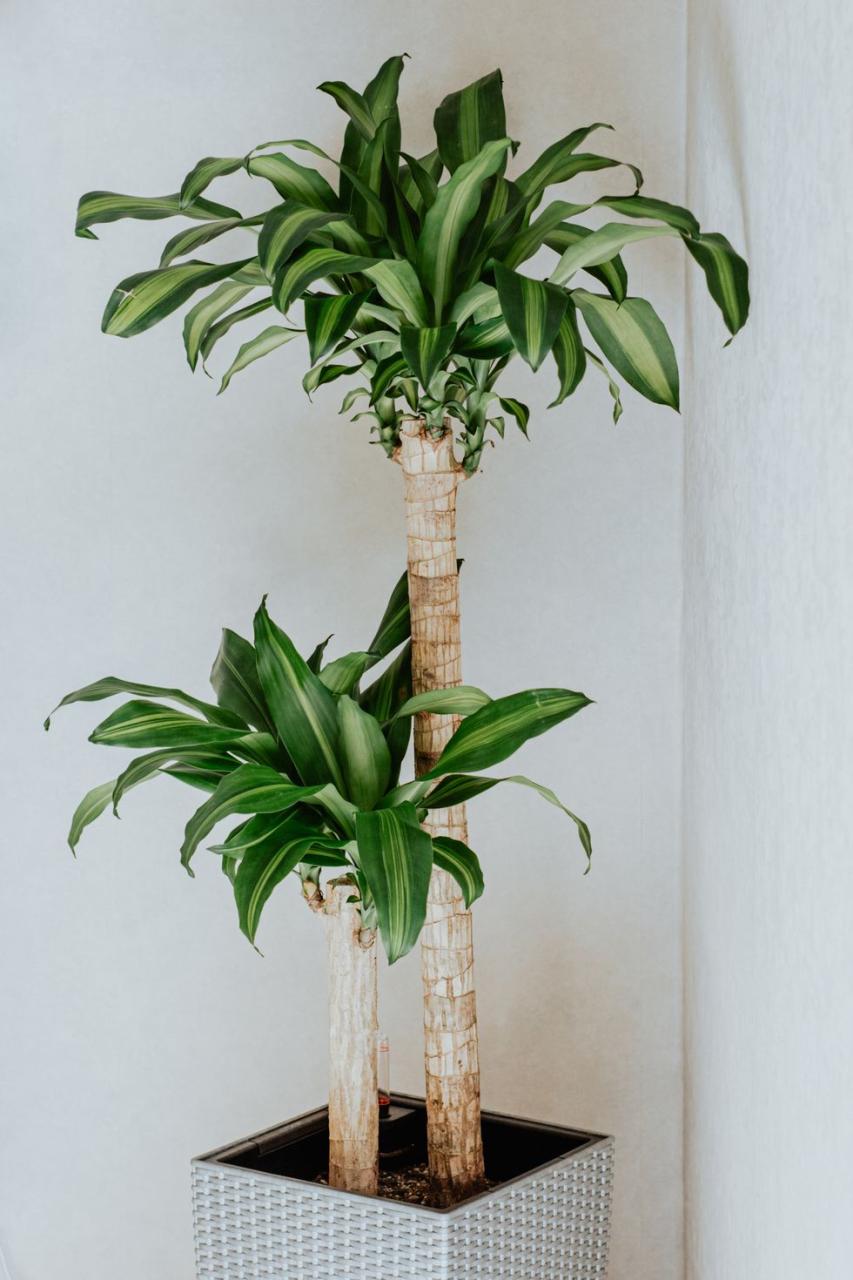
[(90, 807), (323, 373), (569, 354), (612, 273), (154, 762), (395, 625), (480, 301), (148, 724), (110, 686), (389, 369), (462, 863), (445, 223), (327, 319), (316, 264), (613, 387), (204, 776), (193, 238), (727, 276), (218, 330), (487, 341), (364, 754), (270, 339), (234, 677), (109, 206), (342, 675), (468, 119), (461, 787), (533, 312), (302, 707), (395, 856), (533, 236), (634, 339), (419, 182), (600, 246), (285, 228), (202, 316), (264, 865), (251, 788), (354, 104), (460, 700), (399, 285), (500, 728), (559, 162), (201, 175), (294, 181), (517, 410), (648, 207), (388, 692), (143, 299), (426, 349)]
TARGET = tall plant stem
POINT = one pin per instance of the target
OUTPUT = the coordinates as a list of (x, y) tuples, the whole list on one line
[(353, 1026), (451, 1050)]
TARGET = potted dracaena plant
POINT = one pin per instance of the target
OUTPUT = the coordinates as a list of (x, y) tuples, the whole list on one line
[(408, 274), (306, 764)]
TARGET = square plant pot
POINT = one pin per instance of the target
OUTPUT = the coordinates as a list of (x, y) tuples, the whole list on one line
[(260, 1214)]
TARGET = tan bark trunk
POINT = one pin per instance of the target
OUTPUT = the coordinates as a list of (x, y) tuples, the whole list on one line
[(451, 1050), (353, 1026)]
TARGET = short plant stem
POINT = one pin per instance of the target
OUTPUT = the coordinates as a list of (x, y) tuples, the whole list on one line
[(353, 1027), (451, 1050)]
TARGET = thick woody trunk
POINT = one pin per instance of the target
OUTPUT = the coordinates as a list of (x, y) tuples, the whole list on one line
[(431, 479), (353, 1026)]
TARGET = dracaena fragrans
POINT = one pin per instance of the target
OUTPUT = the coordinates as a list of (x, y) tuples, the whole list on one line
[(408, 273), (308, 763)]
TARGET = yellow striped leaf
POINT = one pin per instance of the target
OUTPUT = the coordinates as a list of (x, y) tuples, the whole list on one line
[(502, 726), (142, 300), (315, 264), (569, 355), (558, 163), (269, 340), (364, 753), (395, 855), (327, 320), (533, 312), (727, 275), (426, 349), (634, 339), (264, 864), (294, 181), (202, 174), (600, 246), (462, 863), (109, 206), (285, 228), (468, 119), (397, 282), (140, 723)]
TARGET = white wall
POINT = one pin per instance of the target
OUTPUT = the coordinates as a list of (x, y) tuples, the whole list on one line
[(141, 513), (769, 654)]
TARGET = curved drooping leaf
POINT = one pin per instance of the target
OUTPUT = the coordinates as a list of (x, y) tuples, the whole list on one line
[(154, 762), (294, 181), (462, 863), (458, 788), (638, 206), (419, 180), (397, 282), (635, 341), (426, 349), (395, 856), (323, 373), (109, 206), (205, 313), (90, 807), (264, 865), (526, 242), (250, 788), (533, 312), (142, 300), (502, 726), (111, 686), (315, 264), (364, 752), (285, 228), (205, 775), (301, 706), (388, 692), (234, 677), (611, 273), (327, 319), (569, 355), (193, 238), (557, 163), (615, 392), (216, 331), (727, 276), (149, 724), (270, 339), (517, 410), (480, 301), (602, 245), (387, 371), (487, 341), (354, 104), (459, 700), (206, 171), (468, 119), (444, 224)]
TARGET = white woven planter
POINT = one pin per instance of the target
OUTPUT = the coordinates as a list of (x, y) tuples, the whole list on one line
[(551, 1223)]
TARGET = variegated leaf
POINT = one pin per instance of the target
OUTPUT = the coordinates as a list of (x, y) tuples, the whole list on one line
[(634, 339), (533, 312), (426, 349), (269, 340), (468, 119), (142, 300)]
